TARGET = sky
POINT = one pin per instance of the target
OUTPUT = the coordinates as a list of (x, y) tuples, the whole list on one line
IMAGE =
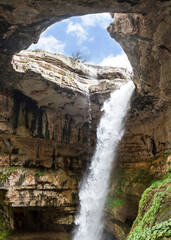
[(86, 34)]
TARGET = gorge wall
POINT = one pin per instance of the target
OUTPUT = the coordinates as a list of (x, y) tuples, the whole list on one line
[(48, 134), (43, 127)]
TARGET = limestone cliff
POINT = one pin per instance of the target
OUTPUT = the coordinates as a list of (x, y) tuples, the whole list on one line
[(48, 127), (153, 220), (143, 154), (34, 136), (145, 40)]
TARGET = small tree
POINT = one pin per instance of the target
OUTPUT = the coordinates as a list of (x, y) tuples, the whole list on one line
[(78, 57)]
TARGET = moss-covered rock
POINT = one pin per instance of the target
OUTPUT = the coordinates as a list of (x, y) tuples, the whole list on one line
[(115, 202), (154, 217), (5, 221), (4, 231), (126, 187)]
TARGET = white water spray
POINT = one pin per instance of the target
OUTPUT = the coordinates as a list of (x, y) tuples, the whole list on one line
[(94, 189), (89, 117)]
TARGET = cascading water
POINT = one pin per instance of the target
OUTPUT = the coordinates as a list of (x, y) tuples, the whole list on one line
[(94, 188), (89, 117)]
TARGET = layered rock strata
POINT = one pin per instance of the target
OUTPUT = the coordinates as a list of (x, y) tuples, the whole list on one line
[(144, 33), (143, 153), (22, 23), (47, 136), (154, 215), (145, 40)]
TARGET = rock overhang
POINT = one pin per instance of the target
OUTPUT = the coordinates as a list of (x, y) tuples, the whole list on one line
[(54, 80)]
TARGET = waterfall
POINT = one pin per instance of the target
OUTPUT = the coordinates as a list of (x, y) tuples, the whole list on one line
[(89, 117), (94, 188)]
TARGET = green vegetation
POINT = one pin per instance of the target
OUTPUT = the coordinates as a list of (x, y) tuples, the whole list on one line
[(4, 225), (114, 202), (118, 190), (40, 173), (142, 175), (166, 155), (168, 189), (4, 233), (157, 184), (152, 203), (157, 232), (6, 172)]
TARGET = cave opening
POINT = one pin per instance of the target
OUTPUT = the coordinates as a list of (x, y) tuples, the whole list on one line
[(109, 53), (38, 219), (23, 22), (86, 39)]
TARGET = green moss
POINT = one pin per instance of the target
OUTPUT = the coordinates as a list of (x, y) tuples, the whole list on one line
[(142, 175), (4, 229), (157, 184), (118, 190), (6, 172), (146, 226), (124, 180), (166, 155), (150, 215), (40, 173), (4, 233), (164, 213), (158, 232), (168, 189), (114, 202), (4, 175)]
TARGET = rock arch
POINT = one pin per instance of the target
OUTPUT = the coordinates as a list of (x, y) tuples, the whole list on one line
[(142, 29)]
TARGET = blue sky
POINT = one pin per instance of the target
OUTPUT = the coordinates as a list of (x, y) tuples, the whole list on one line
[(86, 34)]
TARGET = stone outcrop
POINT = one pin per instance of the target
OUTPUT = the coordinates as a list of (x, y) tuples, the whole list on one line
[(154, 217), (145, 40), (50, 102), (143, 154), (39, 199), (24, 21), (128, 182)]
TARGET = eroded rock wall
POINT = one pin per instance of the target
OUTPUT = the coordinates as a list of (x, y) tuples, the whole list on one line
[(47, 136), (144, 34), (143, 153), (23, 21), (145, 40)]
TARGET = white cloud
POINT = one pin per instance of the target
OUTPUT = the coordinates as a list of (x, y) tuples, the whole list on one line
[(91, 39), (120, 60), (77, 30), (49, 44), (102, 19)]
